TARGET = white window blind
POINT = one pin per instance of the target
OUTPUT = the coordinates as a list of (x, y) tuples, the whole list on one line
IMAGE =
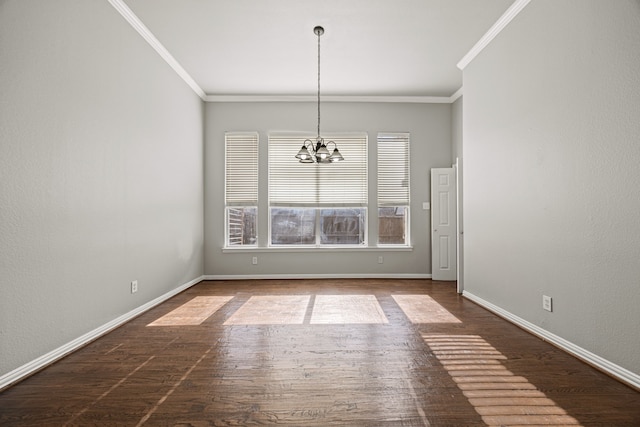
[(241, 169), (296, 184), (393, 169)]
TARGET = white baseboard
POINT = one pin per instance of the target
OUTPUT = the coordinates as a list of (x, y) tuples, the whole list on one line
[(313, 276), (605, 365), (35, 365)]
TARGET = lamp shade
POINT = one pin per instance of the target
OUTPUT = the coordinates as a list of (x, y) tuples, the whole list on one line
[(336, 156), (303, 154)]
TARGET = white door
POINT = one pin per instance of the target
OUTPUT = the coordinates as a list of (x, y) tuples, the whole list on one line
[(443, 224)]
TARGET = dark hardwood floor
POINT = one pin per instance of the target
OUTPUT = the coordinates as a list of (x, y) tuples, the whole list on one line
[(319, 353)]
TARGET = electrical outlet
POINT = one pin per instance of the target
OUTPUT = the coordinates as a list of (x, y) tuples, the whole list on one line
[(134, 286), (380, 260), (254, 260), (546, 303)]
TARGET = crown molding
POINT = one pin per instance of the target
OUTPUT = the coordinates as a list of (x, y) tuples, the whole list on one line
[(495, 29), (453, 98), (330, 98), (142, 29)]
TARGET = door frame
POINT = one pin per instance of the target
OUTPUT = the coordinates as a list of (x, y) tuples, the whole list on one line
[(459, 228)]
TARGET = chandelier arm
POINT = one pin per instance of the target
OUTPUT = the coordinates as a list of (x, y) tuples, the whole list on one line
[(309, 144)]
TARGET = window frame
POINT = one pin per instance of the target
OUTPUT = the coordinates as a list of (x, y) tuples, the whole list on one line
[(318, 230), (283, 146), (394, 168), (245, 193)]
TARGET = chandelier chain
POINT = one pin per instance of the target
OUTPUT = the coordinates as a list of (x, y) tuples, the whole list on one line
[(318, 151), (319, 34)]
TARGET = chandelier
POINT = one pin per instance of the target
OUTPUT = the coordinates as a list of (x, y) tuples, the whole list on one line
[(318, 151)]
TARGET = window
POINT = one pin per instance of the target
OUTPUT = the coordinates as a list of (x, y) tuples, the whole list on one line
[(293, 226), (393, 188), (317, 204), (241, 189)]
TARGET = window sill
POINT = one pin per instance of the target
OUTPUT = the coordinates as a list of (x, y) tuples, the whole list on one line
[(315, 249)]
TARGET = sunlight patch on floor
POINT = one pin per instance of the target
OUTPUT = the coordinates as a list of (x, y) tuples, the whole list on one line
[(424, 309), (193, 312), (500, 397), (343, 309), (271, 310)]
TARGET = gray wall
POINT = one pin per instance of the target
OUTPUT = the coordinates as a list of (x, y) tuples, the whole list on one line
[(552, 183), (430, 127), (101, 173)]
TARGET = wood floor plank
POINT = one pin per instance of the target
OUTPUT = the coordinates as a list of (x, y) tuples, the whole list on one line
[(271, 310), (351, 309), (193, 312), (379, 353)]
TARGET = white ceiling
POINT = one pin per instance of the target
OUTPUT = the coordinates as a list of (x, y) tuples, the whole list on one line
[(370, 47)]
